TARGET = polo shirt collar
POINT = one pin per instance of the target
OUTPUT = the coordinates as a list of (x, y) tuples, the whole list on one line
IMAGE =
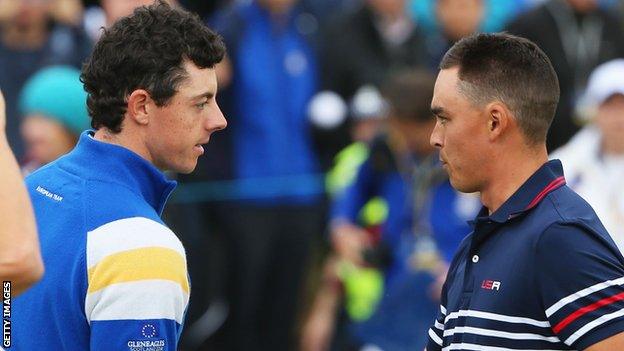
[(546, 179), (113, 163)]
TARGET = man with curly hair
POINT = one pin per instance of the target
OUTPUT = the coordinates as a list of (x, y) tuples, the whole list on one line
[(116, 276)]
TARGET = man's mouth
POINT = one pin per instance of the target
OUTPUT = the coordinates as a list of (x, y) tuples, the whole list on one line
[(199, 148)]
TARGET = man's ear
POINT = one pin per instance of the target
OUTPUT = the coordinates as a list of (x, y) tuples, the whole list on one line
[(137, 106), (499, 119)]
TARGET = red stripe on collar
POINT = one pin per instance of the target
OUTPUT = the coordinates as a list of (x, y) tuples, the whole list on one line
[(555, 184)]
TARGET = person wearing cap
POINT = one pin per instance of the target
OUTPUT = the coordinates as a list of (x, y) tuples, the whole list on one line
[(539, 270), (54, 107), (593, 160)]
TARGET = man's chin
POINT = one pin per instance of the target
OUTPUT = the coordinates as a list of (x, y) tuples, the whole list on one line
[(185, 169), (461, 187)]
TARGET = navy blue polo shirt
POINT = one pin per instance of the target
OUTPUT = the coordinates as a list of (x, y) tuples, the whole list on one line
[(540, 273)]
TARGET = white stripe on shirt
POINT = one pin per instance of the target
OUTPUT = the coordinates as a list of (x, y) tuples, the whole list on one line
[(500, 334), (128, 234), (435, 337), (593, 324), (142, 299), (582, 293), (475, 347), (496, 317)]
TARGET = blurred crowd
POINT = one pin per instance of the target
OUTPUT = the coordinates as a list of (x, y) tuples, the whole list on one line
[(320, 219)]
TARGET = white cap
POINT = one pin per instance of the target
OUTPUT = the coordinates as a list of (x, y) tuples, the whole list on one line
[(605, 81)]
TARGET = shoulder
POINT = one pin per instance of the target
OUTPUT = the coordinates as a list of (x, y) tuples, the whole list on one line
[(569, 208), (574, 228), (562, 219), (108, 202), (135, 233)]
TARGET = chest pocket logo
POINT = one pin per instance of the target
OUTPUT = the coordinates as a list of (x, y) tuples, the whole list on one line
[(491, 285)]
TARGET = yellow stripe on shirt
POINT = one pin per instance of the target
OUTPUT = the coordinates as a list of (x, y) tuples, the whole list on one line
[(139, 264)]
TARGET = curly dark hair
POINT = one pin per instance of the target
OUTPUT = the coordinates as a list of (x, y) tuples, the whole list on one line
[(145, 50)]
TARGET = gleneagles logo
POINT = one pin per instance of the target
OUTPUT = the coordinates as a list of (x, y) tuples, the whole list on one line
[(147, 331), (146, 343)]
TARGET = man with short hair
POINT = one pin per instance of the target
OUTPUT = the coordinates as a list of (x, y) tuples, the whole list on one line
[(116, 276), (539, 271)]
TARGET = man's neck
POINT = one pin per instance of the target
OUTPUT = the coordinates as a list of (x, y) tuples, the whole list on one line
[(509, 174), (612, 147), (131, 143)]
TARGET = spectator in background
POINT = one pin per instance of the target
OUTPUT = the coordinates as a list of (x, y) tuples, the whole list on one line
[(368, 119), (361, 47), (593, 160), (31, 37), (358, 49), (272, 198), (53, 103), (577, 35), (426, 220), (446, 21), (20, 259), (109, 11)]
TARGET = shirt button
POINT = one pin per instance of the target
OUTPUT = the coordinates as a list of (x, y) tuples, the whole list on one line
[(475, 259)]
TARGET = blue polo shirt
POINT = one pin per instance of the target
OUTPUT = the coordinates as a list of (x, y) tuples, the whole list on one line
[(540, 273)]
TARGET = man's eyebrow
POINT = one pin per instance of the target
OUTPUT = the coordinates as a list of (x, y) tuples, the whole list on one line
[(207, 94), (437, 110)]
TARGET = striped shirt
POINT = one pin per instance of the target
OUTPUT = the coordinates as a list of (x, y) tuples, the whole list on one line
[(116, 276), (540, 273)]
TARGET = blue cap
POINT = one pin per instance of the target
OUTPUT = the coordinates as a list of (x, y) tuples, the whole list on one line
[(57, 93)]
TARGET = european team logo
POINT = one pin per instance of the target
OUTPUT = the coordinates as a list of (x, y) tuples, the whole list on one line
[(148, 331), (150, 341)]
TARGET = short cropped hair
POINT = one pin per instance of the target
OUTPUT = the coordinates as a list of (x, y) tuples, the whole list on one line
[(408, 94), (145, 50), (512, 70)]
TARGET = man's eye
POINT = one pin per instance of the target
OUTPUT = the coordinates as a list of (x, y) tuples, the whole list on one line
[(202, 105)]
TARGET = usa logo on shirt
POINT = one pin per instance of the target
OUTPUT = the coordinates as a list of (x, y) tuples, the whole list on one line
[(491, 285)]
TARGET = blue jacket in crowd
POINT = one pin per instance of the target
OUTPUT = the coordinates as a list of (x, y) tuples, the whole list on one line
[(274, 76)]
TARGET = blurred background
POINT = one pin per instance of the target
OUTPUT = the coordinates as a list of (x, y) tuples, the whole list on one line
[(320, 219)]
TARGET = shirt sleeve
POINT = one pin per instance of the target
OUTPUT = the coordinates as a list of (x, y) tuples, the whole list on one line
[(138, 286), (580, 275)]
